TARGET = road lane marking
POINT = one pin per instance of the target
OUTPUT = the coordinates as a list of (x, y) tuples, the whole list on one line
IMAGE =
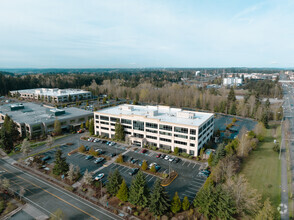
[(52, 194), (102, 211)]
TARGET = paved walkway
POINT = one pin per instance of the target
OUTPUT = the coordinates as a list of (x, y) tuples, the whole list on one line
[(284, 180)]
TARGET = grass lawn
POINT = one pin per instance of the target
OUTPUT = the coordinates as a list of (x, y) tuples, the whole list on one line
[(263, 167)]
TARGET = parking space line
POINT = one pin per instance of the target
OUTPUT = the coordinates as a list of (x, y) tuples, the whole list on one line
[(195, 165), (123, 169), (183, 163), (189, 164), (198, 183), (151, 178), (188, 195)]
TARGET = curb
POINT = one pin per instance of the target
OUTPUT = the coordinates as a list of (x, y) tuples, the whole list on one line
[(170, 181)]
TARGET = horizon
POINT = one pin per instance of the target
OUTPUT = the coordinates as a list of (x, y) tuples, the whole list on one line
[(146, 34)]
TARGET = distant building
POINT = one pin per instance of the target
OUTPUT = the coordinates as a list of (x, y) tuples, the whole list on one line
[(234, 81), (53, 95), (160, 126), (34, 120)]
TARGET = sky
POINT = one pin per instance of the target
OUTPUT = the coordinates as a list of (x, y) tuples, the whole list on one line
[(146, 33)]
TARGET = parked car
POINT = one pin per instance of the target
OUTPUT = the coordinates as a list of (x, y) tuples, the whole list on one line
[(141, 162), (143, 151), (108, 142), (80, 131), (162, 156), (176, 160), (158, 155), (113, 154), (46, 158), (87, 148), (100, 151), (112, 144), (133, 161), (88, 157), (99, 160), (130, 159), (133, 171), (171, 159), (96, 140), (99, 176), (166, 157), (103, 141)]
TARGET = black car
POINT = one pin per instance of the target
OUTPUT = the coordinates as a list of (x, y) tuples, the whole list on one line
[(130, 160), (176, 160), (87, 148), (46, 158), (162, 156), (113, 154), (104, 142), (133, 161), (133, 171)]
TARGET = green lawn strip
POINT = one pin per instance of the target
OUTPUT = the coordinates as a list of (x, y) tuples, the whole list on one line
[(263, 169), (289, 180)]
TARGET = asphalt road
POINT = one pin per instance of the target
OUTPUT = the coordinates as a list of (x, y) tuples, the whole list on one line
[(48, 198)]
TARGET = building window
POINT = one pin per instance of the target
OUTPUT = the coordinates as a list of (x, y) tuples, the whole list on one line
[(103, 128), (164, 139), (72, 121), (193, 131), (112, 129), (105, 123), (181, 136), (126, 121), (97, 126), (138, 135), (138, 125), (151, 125), (181, 130), (104, 118), (152, 131), (126, 126), (114, 119), (181, 142), (192, 145), (191, 152), (112, 124), (166, 127), (151, 137), (192, 138), (127, 132), (166, 147), (165, 133), (81, 119)]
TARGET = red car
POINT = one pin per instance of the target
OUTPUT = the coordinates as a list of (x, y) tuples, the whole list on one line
[(143, 151), (158, 155)]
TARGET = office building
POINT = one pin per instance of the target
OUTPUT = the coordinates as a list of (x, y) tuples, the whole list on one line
[(52, 95), (160, 126), (34, 120)]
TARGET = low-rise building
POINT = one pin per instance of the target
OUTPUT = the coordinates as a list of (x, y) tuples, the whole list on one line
[(160, 126), (233, 81), (34, 120), (52, 95)]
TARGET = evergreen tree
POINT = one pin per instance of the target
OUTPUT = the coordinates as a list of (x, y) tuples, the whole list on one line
[(91, 126), (114, 182), (87, 124), (214, 202), (264, 119), (8, 134), (60, 166), (139, 192), (176, 203), (57, 127), (210, 159), (122, 193), (267, 212), (219, 154), (153, 169), (233, 110), (198, 103), (119, 132), (186, 203), (159, 202), (231, 95)]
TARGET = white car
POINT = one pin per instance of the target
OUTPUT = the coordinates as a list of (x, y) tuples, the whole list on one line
[(150, 165), (171, 159), (99, 176), (166, 157)]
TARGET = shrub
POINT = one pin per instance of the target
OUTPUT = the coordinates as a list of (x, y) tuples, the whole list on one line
[(260, 138), (176, 150), (152, 169), (2, 206), (82, 149), (276, 148), (119, 159), (234, 120), (184, 154), (93, 152), (144, 165)]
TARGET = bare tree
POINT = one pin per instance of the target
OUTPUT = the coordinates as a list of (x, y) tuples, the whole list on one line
[(77, 171), (49, 141), (25, 147), (245, 146), (22, 191), (246, 198), (87, 178), (71, 173), (259, 129), (5, 183)]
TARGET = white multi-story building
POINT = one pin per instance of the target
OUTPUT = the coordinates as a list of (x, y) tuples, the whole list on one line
[(234, 81), (160, 126), (56, 95)]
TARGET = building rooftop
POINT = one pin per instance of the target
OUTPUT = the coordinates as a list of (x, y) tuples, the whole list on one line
[(32, 113), (162, 113), (52, 91)]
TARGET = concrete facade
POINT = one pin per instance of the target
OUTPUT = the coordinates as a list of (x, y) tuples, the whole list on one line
[(159, 126), (53, 95)]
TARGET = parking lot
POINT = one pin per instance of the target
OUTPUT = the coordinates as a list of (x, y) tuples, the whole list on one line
[(186, 184)]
